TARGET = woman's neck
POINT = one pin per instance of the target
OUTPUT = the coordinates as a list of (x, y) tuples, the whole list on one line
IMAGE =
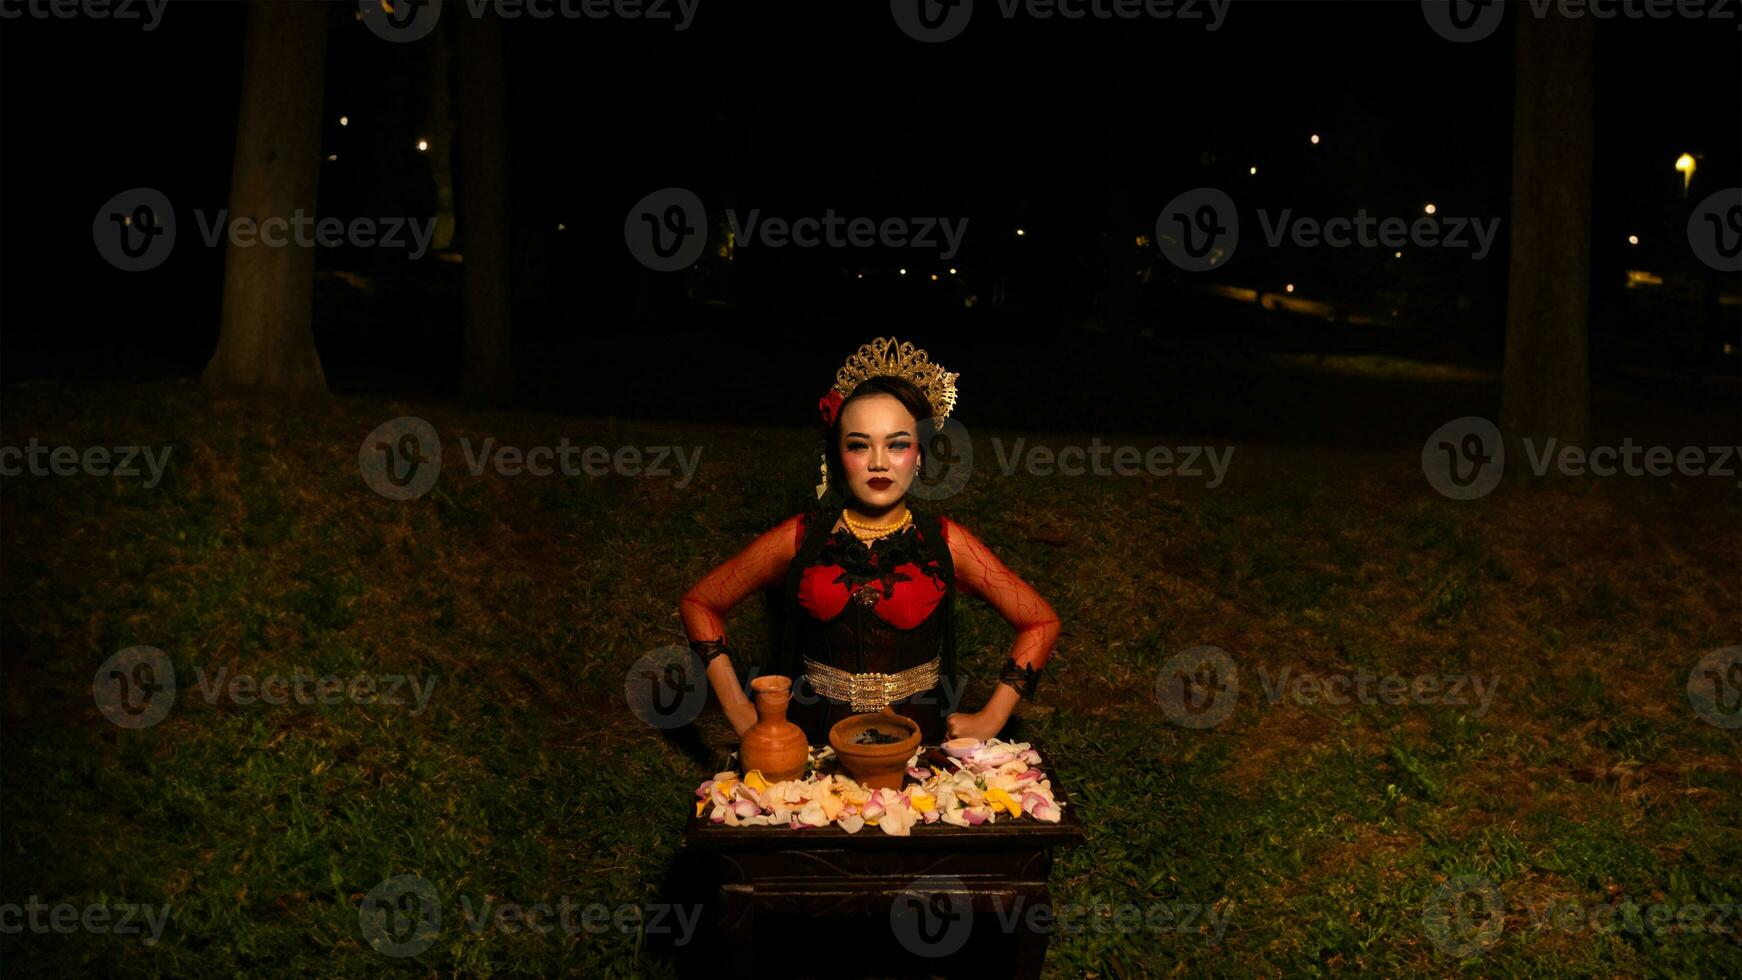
[(869, 515)]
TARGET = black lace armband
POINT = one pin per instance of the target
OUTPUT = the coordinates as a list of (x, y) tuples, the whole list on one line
[(1022, 677), (709, 649)]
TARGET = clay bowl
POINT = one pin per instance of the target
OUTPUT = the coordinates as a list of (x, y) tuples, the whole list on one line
[(875, 766)]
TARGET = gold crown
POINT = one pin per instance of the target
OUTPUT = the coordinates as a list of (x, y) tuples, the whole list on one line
[(885, 356)]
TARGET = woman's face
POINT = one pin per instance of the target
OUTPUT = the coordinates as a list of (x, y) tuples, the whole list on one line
[(879, 450)]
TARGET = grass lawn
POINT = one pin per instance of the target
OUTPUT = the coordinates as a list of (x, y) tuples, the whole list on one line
[(1317, 837)]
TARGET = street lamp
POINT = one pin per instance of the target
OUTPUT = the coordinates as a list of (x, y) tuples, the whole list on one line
[(1684, 165)]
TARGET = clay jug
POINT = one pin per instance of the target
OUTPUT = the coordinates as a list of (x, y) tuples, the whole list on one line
[(774, 745)]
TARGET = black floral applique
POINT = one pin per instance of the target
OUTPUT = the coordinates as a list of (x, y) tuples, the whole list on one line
[(867, 572)]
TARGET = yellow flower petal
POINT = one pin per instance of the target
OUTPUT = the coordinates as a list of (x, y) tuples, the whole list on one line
[(700, 804), (922, 803), (754, 780), (1002, 800)]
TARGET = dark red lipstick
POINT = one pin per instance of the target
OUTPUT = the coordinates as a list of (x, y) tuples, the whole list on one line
[(880, 483)]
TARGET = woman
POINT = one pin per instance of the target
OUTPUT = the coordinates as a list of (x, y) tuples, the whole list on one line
[(864, 618)]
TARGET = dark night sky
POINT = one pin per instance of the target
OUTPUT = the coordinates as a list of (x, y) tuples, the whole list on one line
[(1077, 130)]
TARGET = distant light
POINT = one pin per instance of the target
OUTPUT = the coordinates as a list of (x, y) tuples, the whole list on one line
[(1020, 232), (1430, 209), (1633, 239), (331, 157), (1315, 139), (344, 120), (561, 227), (902, 271), (861, 275), (934, 277), (1397, 255), (1253, 171), (422, 146), (952, 270), (1288, 288), (1729, 348)]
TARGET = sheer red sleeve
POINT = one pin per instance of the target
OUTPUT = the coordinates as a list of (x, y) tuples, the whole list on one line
[(760, 564), (979, 573)]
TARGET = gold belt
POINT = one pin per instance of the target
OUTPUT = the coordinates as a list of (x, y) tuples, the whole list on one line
[(870, 691)]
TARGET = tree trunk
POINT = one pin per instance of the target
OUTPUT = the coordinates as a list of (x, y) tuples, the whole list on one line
[(488, 370), (1546, 385), (266, 333)]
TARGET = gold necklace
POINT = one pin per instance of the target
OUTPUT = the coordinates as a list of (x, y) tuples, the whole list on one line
[(868, 533)]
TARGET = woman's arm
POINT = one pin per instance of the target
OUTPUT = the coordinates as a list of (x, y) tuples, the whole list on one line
[(979, 573), (705, 605)]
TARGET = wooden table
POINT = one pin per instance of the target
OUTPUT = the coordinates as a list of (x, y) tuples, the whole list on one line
[(940, 873)]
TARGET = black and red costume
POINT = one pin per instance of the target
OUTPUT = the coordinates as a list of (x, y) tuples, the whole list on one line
[(883, 607)]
